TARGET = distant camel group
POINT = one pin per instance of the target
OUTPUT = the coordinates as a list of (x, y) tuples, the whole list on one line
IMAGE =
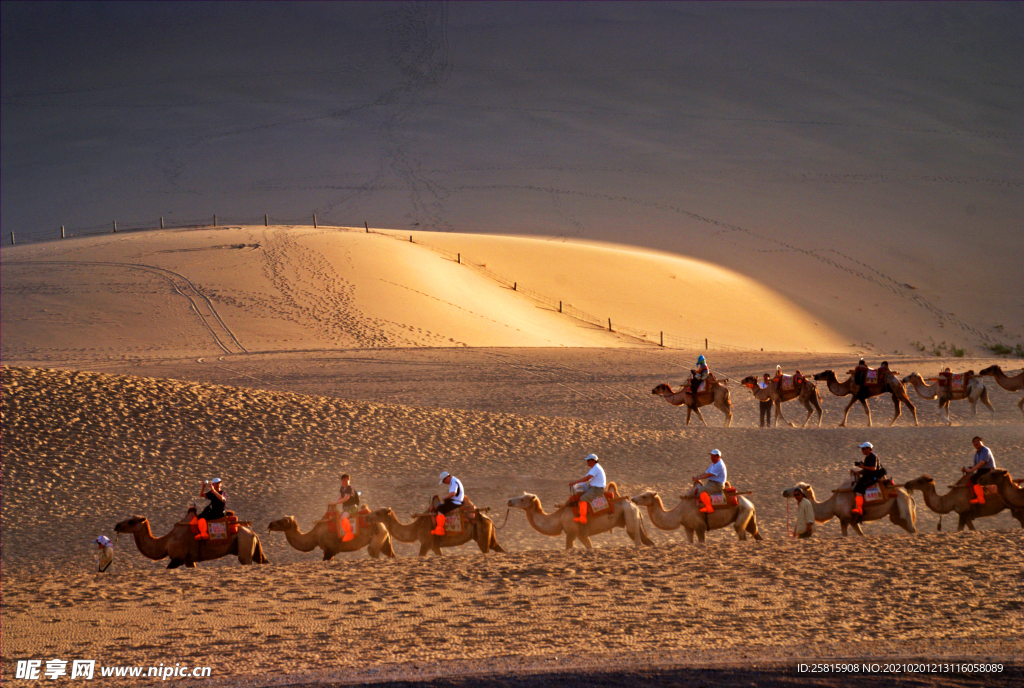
[(716, 392)]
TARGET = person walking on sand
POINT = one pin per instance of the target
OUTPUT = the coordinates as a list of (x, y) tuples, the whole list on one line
[(804, 516), (106, 549), (596, 481), (984, 462), (347, 498), (869, 474), (716, 477), (765, 407), (213, 491), (452, 501)]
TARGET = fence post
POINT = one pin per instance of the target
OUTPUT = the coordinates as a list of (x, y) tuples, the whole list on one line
[(314, 221), (266, 220), (215, 219), (705, 343), (365, 224), (12, 238), (161, 222), (609, 324), (559, 306), (115, 225), (62, 235), (410, 238), (459, 257), (662, 339), (515, 286)]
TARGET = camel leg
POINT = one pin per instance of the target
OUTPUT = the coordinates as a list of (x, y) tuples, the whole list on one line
[(857, 529), (644, 537), (700, 535), (1020, 405), (424, 548), (494, 544), (389, 547), (846, 412), (867, 410), (913, 409), (944, 413), (778, 415), (752, 527), (1019, 515), (964, 522), (569, 539), (700, 416), (810, 412), (726, 408), (689, 534), (991, 409), (328, 555), (844, 526), (175, 563)]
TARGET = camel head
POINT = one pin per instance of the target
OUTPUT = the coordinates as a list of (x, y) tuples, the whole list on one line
[(804, 487), (663, 390), (750, 381), (380, 515), (132, 525), (283, 525), (914, 378), (919, 483), (649, 498), (525, 502), (992, 370), (825, 375)]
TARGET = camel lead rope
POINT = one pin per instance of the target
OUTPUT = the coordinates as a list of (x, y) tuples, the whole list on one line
[(505, 521), (788, 530)]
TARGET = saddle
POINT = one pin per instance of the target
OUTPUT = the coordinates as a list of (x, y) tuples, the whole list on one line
[(789, 382), (959, 381), (333, 519), (881, 491), (219, 528), (729, 496), (605, 504)]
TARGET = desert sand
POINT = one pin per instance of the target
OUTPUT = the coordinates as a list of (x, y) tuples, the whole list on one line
[(516, 204)]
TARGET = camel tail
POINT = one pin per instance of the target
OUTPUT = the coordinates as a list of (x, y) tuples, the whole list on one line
[(752, 527)]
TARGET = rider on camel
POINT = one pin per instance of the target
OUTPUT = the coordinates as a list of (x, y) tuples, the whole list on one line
[(984, 462), (596, 481), (452, 501), (347, 498), (870, 473), (213, 491), (716, 476), (697, 376)]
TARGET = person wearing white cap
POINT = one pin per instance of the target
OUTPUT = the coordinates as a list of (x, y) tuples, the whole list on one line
[(214, 491), (715, 476), (106, 552), (452, 501), (869, 474), (596, 481)]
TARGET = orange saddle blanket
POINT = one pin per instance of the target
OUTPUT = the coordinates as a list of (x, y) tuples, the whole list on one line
[(219, 529), (791, 382), (601, 505), (333, 519)]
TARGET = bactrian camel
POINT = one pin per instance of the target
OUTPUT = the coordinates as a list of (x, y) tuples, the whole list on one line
[(973, 392), (1009, 490), (183, 549), (687, 514), (1010, 384), (891, 386), (715, 393), (479, 529), (625, 514), (806, 393), (375, 538), (902, 510), (958, 499)]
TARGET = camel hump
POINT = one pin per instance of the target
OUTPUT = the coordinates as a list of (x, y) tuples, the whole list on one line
[(612, 489)]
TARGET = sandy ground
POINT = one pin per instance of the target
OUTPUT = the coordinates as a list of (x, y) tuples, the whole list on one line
[(84, 450)]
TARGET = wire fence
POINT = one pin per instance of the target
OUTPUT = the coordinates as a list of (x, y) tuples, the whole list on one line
[(659, 338)]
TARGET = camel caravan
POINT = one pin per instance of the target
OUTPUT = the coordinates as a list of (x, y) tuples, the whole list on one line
[(704, 388), (594, 507)]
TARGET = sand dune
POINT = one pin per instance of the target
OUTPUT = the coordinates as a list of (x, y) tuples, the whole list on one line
[(236, 289)]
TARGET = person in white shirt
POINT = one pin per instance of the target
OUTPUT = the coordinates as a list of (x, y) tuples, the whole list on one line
[(596, 481), (106, 552), (715, 476), (452, 501), (804, 515)]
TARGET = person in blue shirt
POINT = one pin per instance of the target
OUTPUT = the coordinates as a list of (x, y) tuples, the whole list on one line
[(984, 462)]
